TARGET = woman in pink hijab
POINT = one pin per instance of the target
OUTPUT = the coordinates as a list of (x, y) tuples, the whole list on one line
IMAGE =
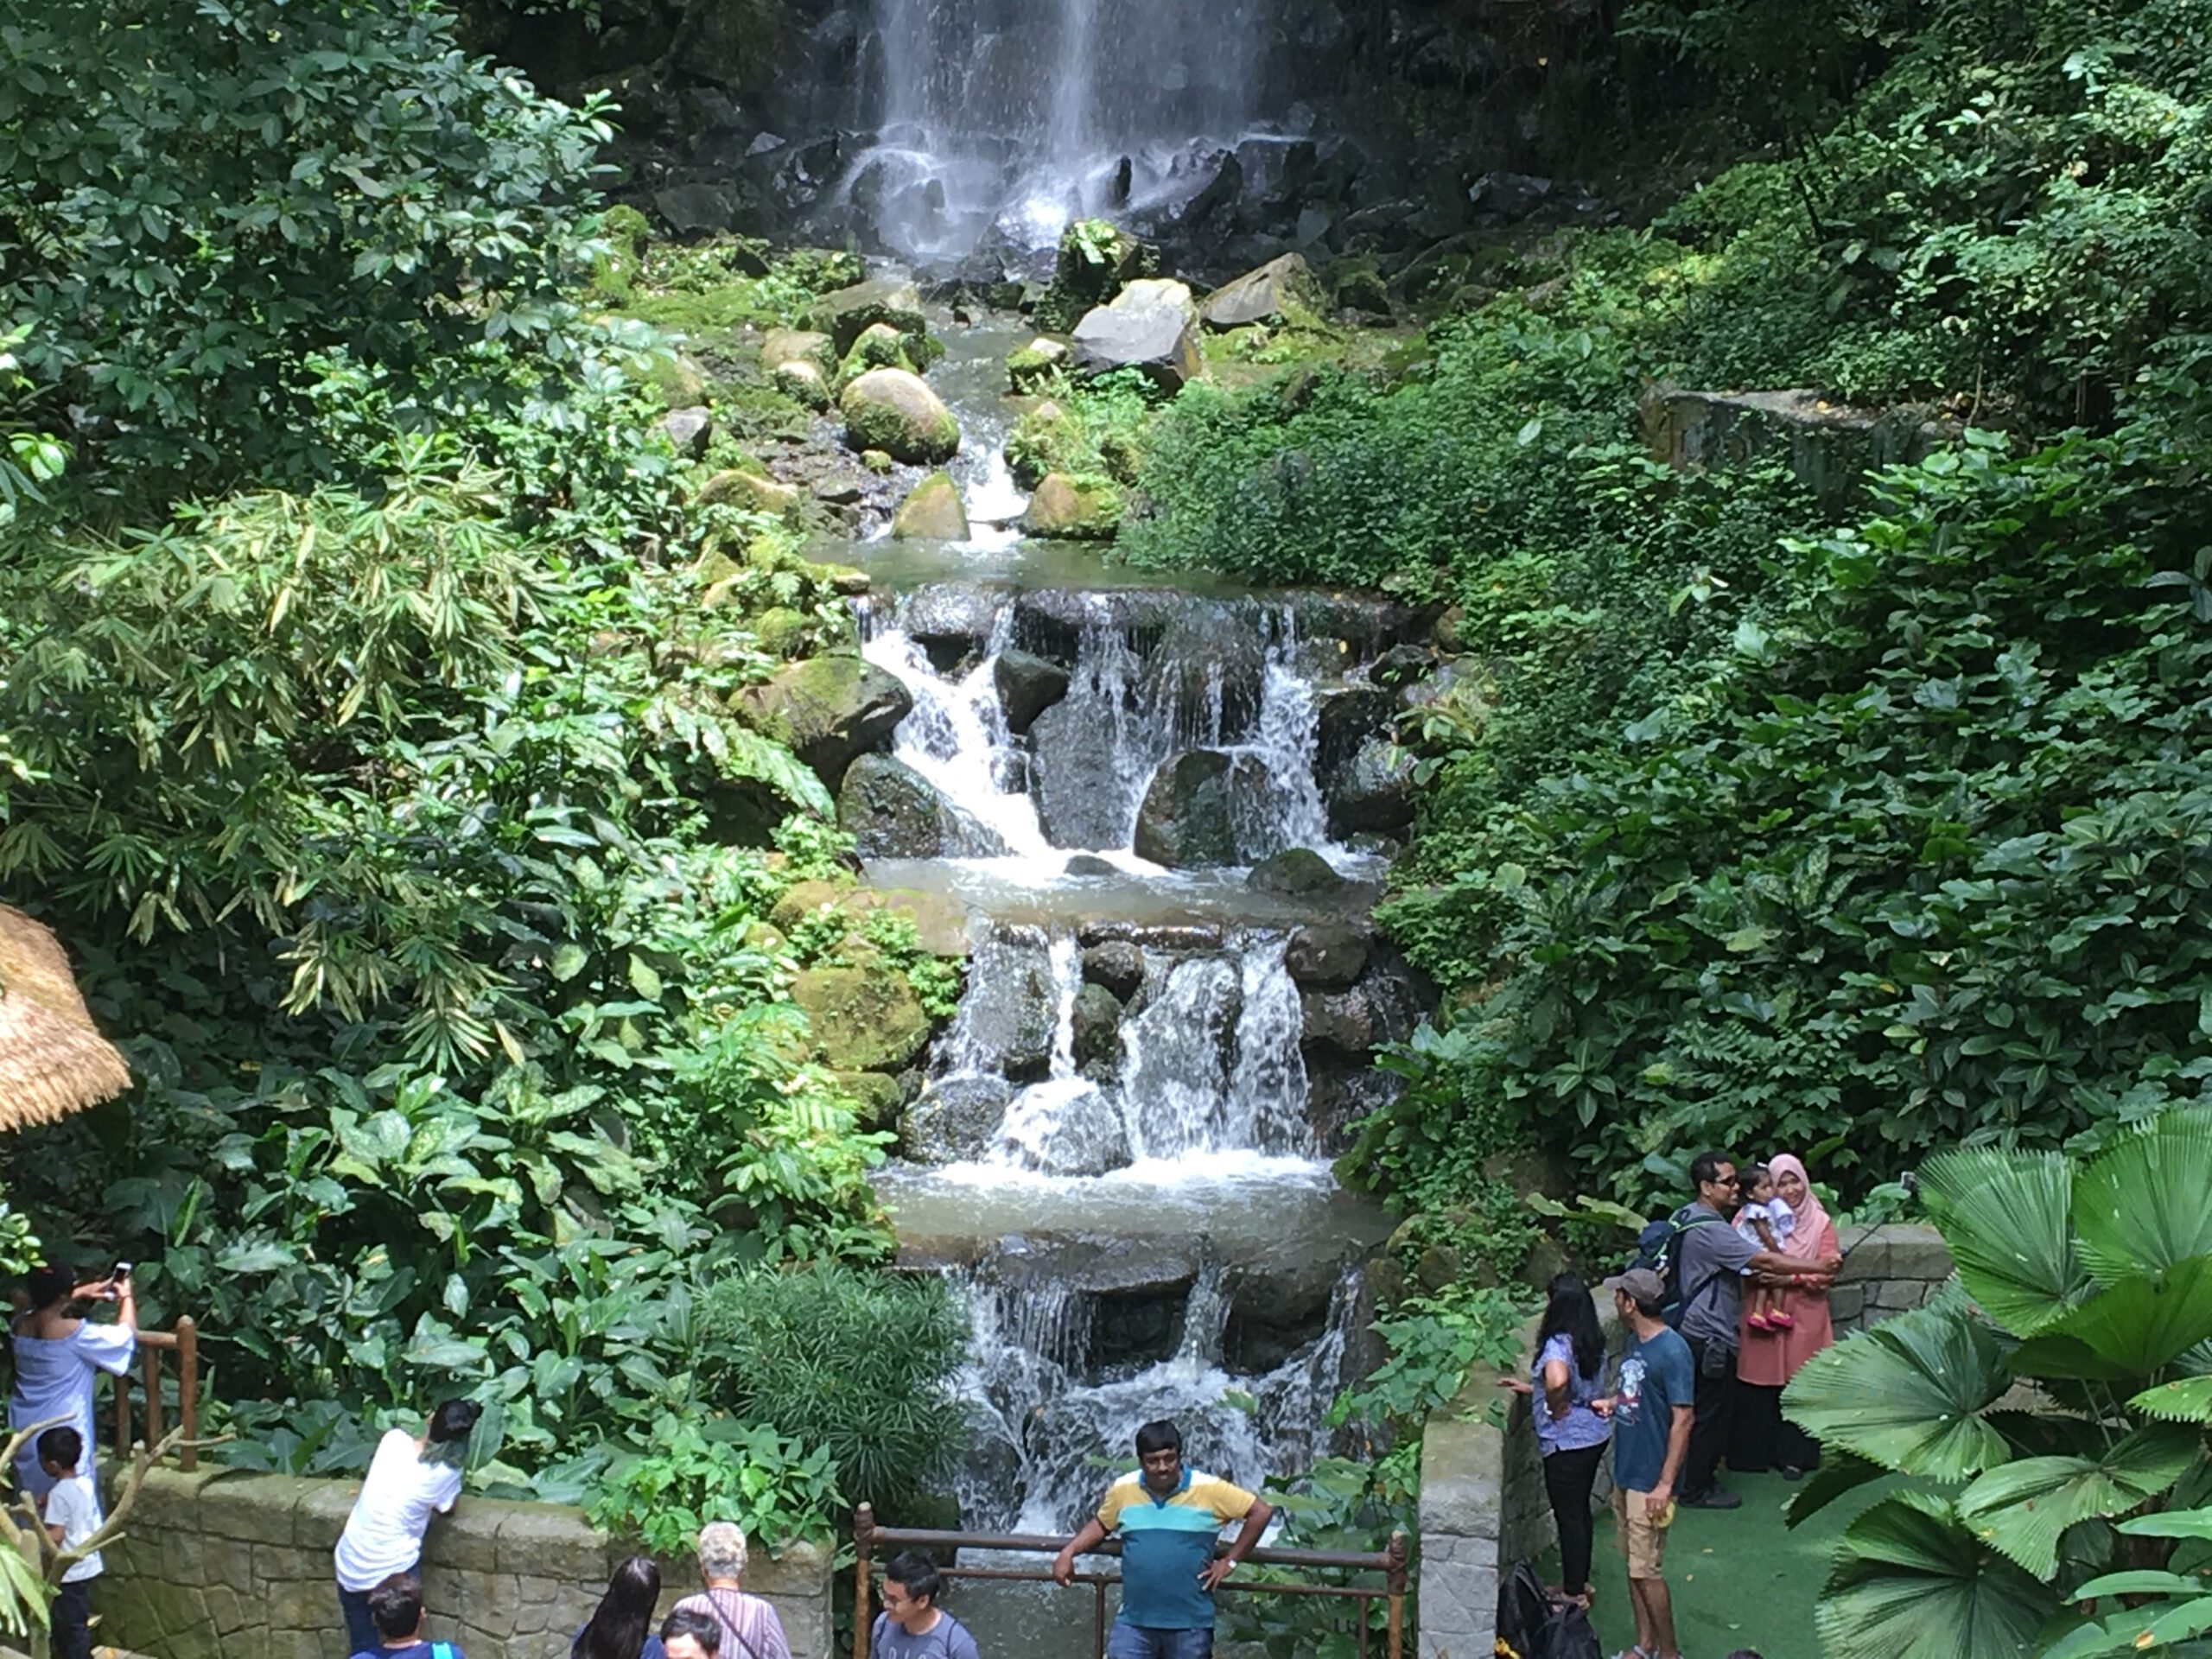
[(1766, 1359)]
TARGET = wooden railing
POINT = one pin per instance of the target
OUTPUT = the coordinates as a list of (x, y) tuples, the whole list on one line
[(1390, 1564), (184, 1343)]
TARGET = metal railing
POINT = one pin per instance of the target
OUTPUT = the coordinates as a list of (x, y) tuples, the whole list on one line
[(868, 1537), (184, 1342)]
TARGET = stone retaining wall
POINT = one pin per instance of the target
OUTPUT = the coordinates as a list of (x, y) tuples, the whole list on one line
[(1483, 1506), (225, 1566)]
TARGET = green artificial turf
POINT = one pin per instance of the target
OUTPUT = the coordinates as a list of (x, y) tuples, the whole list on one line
[(1740, 1578)]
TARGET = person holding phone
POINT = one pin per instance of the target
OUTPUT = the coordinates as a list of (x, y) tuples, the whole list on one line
[(59, 1355)]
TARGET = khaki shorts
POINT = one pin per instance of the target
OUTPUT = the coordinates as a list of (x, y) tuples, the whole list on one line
[(1641, 1532)]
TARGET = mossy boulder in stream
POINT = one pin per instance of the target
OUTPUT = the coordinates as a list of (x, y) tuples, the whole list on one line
[(895, 412), (829, 709), (861, 1018), (880, 347), (1281, 289), (847, 314), (781, 346), (1299, 871), (1073, 508), (932, 511), (1032, 367), (737, 487)]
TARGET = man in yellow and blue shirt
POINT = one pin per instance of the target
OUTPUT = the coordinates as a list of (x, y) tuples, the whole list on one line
[(1170, 1519)]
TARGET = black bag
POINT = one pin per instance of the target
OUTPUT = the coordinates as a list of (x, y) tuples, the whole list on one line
[(1658, 1250), (1531, 1626)]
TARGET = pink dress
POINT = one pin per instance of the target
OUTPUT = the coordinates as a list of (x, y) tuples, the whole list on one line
[(1768, 1359)]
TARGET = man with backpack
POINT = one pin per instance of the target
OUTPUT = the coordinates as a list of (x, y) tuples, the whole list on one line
[(1705, 1261)]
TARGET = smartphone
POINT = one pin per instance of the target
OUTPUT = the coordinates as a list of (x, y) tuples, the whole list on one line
[(122, 1271)]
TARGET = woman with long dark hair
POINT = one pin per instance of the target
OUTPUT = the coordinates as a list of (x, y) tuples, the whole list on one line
[(58, 1357), (1567, 1374), (623, 1626)]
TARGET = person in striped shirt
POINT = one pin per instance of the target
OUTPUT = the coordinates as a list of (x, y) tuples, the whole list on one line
[(1170, 1519)]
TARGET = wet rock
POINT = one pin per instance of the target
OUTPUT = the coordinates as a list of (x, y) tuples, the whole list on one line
[(1400, 667), (1210, 651), (1339, 1020), (1098, 1024), (1175, 938), (1188, 820), (689, 209), (879, 1096), (1152, 326), (1326, 956), (1114, 966), (1078, 1131), (782, 346), (1345, 720), (932, 511), (687, 431), (895, 412), (861, 1018), (880, 347), (1073, 509), (1012, 1011), (1029, 370), (1089, 864), (1371, 791), (756, 490), (847, 314), (1297, 872), (829, 709), (951, 621), (1342, 1092), (1280, 288), (954, 1121), (1028, 685), (892, 812)]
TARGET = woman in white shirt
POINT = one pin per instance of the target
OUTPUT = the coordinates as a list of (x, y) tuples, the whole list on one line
[(411, 1477)]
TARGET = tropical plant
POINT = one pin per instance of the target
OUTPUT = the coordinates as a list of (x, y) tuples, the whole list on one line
[(779, 1490), (859, 1363), (2162, 1610), (2057, 1392)]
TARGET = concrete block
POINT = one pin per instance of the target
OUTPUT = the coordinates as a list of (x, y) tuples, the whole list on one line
[(320, 1514), (1461, 1480), (549, 1541), (1845, 1303), (1865, 1255), (1918, 1253), (1898, 1295), (468, 1539)]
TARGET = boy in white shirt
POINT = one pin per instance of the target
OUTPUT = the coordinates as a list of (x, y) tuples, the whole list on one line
[(72, 1515)]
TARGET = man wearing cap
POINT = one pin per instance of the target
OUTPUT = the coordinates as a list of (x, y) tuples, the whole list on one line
[(1651, 1409)]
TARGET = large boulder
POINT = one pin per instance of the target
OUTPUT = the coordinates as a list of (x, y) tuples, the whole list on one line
[(1151, 326), (736, 487), (894, 411), (1297, 873), (1073, 509), (1069, 1127), (1098, 1017), (1188, 820), (1326, 956), (1371, 790), (1115, 966), (1028, 685), (880, 347), (954, 1121), (782, 346), (932, 511), (892, 812), (1281, 287), (848, 312), (951, 621), (863, 1019), (1012, 1013), (830, 709)]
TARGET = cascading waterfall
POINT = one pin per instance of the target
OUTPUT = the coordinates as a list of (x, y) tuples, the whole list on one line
[(1017, 114)]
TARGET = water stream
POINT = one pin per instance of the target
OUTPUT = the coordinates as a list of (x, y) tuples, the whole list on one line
[(1114, 1147)]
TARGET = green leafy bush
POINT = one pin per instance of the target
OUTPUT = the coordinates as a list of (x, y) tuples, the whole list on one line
[(856, 1362), (778, 1490)]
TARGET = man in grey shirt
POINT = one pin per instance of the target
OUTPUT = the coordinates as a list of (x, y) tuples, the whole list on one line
[(1713, 1260), (911, 1626)]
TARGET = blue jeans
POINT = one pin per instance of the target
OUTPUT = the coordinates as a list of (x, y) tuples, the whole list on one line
[(360, 1628), (1126, 1641)]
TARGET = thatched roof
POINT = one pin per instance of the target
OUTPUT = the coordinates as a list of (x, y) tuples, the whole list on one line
[(52, 1061)]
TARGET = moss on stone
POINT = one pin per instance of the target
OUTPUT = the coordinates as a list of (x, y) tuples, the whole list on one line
[(863, 1019)]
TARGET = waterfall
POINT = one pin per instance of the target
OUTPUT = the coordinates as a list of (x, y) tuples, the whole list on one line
[(1017, 114)]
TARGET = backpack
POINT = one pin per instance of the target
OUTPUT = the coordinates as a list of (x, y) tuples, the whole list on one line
[(1658, 1251), (1530, 1626)]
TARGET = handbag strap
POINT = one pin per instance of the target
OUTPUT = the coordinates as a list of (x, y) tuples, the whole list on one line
[(729, 1620)]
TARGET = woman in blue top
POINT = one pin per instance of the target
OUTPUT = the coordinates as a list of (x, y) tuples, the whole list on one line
[(1568, 1373)]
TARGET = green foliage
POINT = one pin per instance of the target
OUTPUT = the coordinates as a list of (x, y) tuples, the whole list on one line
[(201, 203), (769, 1484), (1908, 870), (856, 1362), (2099, 1287)]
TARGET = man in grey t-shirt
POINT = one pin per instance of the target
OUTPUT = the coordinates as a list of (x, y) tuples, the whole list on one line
[(911, 1626), (1713, 1258)]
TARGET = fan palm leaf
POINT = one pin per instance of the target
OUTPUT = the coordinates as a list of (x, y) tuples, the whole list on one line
[(1910, 1394), (2021, 1508), (1910, 1582), (2140, 1206), (2006, 1217)]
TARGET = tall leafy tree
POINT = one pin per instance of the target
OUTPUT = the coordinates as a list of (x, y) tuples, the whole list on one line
[(202, 208)]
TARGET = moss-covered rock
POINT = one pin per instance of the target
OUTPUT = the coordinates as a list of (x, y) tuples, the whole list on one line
[(847, 313), (1297, 871), (1046, 439), (879, 1095), (895, 412), (863, 1019), (1096, 261), (932, 511), (1029, 370), (782, 346), (1076, 509), (801, 383), (829, 709), (880, 347), (783, 632), (737, 487), (679, 382)]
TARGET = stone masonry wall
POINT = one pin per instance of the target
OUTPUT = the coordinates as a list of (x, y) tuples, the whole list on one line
[(1483, 1506), (224, 1566)]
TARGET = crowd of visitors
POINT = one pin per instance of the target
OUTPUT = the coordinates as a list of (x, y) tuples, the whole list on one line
[(1731, 1305), (1714, 1326)]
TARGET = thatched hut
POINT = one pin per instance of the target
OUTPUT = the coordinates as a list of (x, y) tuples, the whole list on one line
[(52, 1061)]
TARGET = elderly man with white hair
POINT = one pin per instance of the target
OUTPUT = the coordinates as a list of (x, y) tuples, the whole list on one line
[(750, 1627)]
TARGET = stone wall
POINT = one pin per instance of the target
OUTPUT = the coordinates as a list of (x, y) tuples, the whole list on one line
[(1483, 1506), (225, 1566)]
